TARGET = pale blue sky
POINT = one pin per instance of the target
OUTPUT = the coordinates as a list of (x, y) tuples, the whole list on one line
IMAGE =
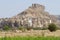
[(9, 8)]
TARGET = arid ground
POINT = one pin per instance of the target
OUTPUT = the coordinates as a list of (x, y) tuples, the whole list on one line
[(30, 33)]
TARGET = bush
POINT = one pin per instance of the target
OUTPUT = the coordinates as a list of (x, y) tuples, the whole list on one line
[(36, 28), (6, 28), (40, 28), (52, 27), (44, 28), (29, 28), (22, 28)]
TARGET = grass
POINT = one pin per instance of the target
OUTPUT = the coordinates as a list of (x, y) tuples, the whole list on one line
[(29, 38)]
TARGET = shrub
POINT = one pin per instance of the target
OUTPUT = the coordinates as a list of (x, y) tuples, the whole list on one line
[(44, 28), (36, 28), (22, 28), (6, 28), (29, 28), (52, 27)]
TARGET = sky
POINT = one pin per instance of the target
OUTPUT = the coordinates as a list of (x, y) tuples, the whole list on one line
[(9, 8)]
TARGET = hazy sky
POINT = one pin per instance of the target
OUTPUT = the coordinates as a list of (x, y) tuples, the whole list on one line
[(10, 8)]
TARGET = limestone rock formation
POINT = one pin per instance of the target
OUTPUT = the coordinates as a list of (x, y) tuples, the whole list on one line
[(34, 16)]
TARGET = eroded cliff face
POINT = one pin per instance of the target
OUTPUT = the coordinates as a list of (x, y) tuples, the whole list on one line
[(34, 16)]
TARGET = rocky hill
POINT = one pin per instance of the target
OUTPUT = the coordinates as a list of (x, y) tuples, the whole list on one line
[(34, 16), (36, 12), (58, 17)]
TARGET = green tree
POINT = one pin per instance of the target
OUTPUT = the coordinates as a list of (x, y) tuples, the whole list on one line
[(52, 27)]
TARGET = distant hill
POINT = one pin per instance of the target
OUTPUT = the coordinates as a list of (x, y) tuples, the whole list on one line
[(34, 16), (58, 17), (37, 15)]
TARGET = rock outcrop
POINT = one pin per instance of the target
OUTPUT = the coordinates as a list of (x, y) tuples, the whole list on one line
[(34, 16)]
